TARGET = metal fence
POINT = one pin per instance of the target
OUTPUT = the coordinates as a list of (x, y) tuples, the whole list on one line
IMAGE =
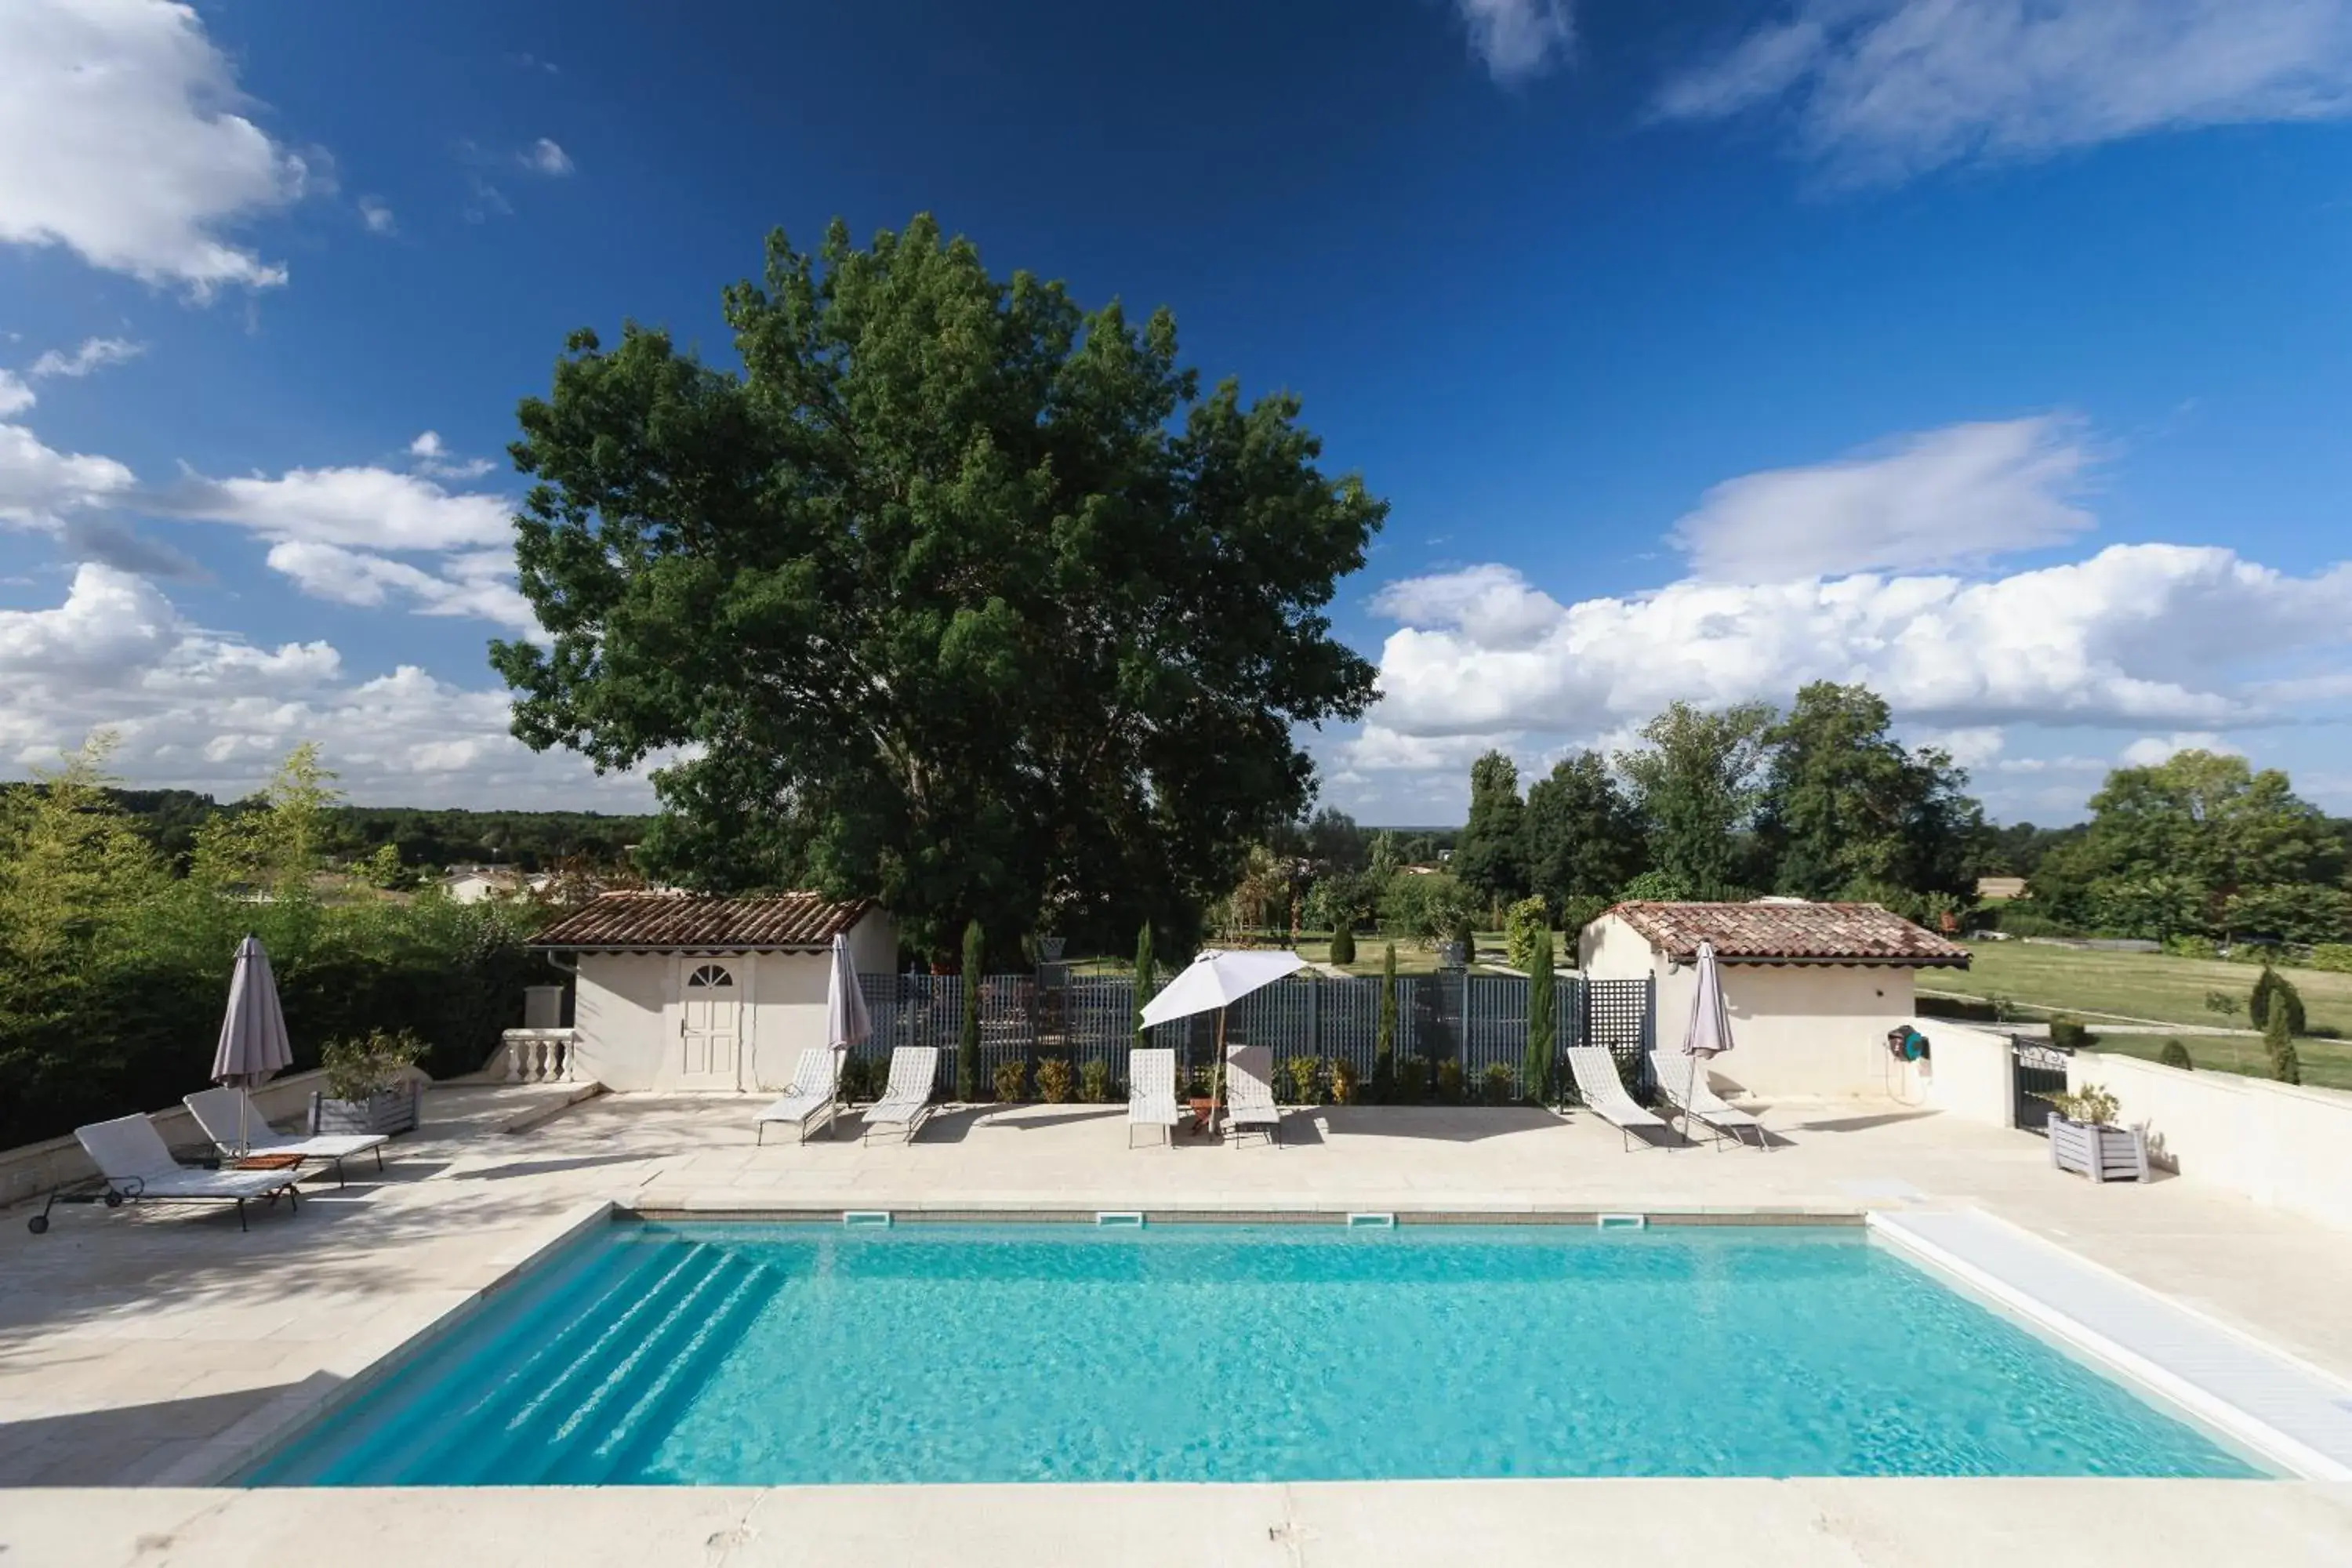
[(1476, 1023)]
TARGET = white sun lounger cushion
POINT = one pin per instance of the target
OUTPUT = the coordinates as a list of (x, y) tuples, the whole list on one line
[(1249, 1087), (908, 1095), (816, 1078), (217, 1112), (130, 1154), (1603, 1091), (1684, 1080), (1151, 1087)]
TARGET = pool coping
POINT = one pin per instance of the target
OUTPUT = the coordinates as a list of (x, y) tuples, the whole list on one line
[(234, 1454)]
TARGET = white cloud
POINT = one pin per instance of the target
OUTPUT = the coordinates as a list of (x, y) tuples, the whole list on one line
[(1518, 38), (434, 457), (377, 216), (94, 353), (39, 485), (2151, 750), (545, 157), (427, 445), (365, 507), (14, 396), (120, 140), (1958, 495), (1971, 748), (2137, 634), (472, 584), (1882, 89), (204, 710)]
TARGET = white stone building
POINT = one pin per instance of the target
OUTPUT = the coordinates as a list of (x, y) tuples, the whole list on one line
[(680, 991), (1813, 989)]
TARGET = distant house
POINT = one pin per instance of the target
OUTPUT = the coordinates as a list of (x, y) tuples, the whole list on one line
[(683, 991), (2000, 887), (1813, 989), (474, 884)]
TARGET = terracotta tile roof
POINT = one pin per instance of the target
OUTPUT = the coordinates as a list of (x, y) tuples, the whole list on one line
[(1791, 932), (663, 921)]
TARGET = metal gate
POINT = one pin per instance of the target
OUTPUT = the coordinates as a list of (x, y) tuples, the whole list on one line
[(2041, 1072)]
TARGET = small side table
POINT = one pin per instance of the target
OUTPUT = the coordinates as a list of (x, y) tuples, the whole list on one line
[(1205, 1111)]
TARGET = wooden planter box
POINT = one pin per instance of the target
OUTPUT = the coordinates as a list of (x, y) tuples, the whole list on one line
[(2102, 1154), (393, 1110)]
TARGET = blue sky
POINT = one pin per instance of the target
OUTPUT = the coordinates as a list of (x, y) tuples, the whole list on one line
[(1992, 354)]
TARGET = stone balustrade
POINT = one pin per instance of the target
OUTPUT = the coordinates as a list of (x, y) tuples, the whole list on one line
[(540, 1056)]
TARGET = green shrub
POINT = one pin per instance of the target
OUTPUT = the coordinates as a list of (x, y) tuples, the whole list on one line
[(2274, 994), (1093, 1082), (1465, 936), (1966, 1009), (2332, 955), (2071, 1034), (1010, 1080), (1306, 1074), (1343, 945), (1449, 1081), (857, 1080), (1344, 1082), (2191, 947), (2093, 1106), (2175, 1055), (1576, 912), (1054, 1081), (1496, 1087), (1523, 922), (364, 1066), (1412, 1080), (2278, 1044)]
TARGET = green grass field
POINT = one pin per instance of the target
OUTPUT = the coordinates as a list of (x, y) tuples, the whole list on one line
[(2043, 980)]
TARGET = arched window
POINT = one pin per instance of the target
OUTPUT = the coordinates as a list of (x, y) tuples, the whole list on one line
[(710, 976)]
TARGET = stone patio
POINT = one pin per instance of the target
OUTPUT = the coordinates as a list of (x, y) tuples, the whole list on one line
[(153, 1351)]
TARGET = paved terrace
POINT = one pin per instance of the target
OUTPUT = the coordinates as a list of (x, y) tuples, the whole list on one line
[(156, 1350)]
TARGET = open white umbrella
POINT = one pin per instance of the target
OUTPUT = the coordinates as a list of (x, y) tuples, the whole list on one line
[(1214, 981), (846, 1023), (253, 1042)]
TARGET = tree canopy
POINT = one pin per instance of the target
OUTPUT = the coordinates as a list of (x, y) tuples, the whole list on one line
[(1694, 780), (955, 594), (1847, 808), (1490, 857), (1584, 837), (2201, 844)]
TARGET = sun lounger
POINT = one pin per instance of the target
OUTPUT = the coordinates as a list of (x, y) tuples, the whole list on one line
[(816, 1087), (221, 1112), (1249, 1092), (1683, 1080), (1603, 1091), (1151, 1093), (130, 1155), (907, 1098)]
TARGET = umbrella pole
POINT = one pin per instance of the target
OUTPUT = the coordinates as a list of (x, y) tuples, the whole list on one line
[(1217, 1075)]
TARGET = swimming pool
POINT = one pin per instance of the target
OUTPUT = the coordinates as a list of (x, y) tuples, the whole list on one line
[(772, 1355)]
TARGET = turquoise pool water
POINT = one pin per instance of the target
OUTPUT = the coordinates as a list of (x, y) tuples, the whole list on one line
[(726, 1354)]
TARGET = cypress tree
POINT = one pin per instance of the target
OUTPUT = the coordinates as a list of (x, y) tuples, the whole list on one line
[(1145, 973), (2273, 994), (1535, 1074), (2278, 1043), (975, 962), (1343, 942), (1384, 1043)]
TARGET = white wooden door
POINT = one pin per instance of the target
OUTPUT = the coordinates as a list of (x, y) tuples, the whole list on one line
[(709, 1026)]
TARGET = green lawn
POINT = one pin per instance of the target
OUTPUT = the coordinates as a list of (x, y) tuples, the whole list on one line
[(2043, 980)]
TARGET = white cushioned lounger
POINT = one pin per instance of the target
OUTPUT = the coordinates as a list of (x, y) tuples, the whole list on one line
[(1249, 1092), (1151, 1091), (1603, 1091), (1683, 1080), (816, 1087), (130, 1153), (217, 1111), (907, 1099)]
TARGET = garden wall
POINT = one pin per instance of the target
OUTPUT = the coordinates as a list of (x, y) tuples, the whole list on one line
[(2283, 1145), (1970, 1073)]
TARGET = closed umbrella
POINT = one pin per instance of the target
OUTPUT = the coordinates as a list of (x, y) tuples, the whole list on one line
[(1215, 981), (1708, 1033), (253, 1042), (846, 1022)]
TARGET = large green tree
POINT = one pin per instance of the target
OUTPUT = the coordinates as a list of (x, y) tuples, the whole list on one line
[(1583, 837), (1848, 810), (954, 594), (2200, 842), (1490, 857), (1694, 780)]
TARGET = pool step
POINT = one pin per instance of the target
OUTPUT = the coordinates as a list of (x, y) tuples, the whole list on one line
[(478, 1445), (630, 1440), (513, 1355)]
